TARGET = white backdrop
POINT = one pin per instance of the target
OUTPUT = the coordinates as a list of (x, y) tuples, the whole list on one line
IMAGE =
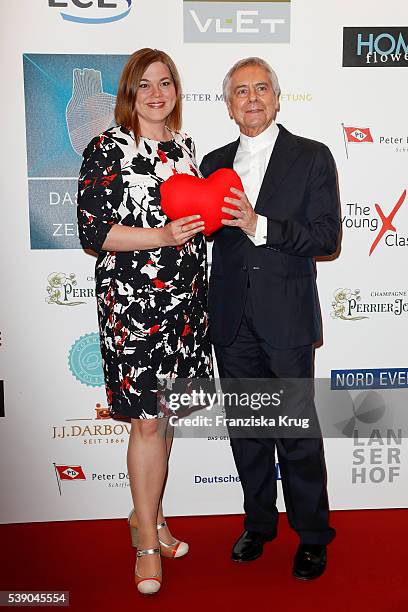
[(53, 410)]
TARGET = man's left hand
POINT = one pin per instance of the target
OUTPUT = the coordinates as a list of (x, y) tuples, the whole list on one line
[(245, 217)]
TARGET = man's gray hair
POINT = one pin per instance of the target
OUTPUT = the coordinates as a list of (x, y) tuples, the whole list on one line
[(250, 61)]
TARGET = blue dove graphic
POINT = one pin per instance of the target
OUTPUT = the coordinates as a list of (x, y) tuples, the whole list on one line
[(90, 110)]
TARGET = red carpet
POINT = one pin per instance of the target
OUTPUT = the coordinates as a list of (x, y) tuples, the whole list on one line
[(367, 566)]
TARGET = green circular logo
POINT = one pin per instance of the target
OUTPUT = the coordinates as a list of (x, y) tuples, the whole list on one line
[(85, 360)]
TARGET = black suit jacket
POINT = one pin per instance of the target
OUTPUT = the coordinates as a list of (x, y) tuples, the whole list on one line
[(299, 196)]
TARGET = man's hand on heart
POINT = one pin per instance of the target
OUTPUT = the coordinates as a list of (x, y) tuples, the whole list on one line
[(244, 215)]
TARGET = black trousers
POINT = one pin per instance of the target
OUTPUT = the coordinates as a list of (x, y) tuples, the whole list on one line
[(301, 460)]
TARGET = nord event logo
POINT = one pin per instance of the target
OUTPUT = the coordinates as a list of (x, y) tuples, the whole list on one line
[(229, 21), (375, 47), (92, 11)]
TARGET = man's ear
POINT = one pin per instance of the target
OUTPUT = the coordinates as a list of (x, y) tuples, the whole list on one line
[(229, 110), (278, 104)]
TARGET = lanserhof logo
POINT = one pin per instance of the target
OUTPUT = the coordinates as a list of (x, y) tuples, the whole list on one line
[(94, 11), (377, 47), (250, 21)]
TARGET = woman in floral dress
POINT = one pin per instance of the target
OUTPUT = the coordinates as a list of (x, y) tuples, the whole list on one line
[(150, 279)]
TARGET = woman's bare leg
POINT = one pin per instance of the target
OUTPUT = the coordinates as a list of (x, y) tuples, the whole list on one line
[(165, 534), (147, 466)]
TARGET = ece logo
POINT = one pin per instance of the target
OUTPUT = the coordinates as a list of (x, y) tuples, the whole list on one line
[(92, 11), (248, 22)]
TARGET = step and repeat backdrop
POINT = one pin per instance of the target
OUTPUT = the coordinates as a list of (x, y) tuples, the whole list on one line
[(343, 70)]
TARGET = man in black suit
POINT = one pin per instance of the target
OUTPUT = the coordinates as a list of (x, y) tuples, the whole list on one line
[(263, 302)]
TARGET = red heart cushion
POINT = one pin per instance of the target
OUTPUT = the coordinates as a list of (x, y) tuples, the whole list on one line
[(183, 195)]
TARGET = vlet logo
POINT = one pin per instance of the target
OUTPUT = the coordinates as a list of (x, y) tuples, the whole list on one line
[(220, 21), (92, 11)]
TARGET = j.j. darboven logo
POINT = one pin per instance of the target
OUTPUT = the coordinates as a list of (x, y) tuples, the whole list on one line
[(92, 11)]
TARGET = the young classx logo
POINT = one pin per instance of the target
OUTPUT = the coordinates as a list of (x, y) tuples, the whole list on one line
[(375, 219), (387, 221)]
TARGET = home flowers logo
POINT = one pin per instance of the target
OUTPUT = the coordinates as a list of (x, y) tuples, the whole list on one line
[(58, 282), (341, 303)]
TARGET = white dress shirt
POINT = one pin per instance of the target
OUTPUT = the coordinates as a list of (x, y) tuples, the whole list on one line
[(250, 163)]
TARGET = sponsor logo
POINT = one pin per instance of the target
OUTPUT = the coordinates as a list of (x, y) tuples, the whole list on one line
[(364, 217), (74, 98), (205, 96), (377, 47), (93, 431), (362, 135), (92, 11), (62, 288), (227, 21), (377, 378), (66, 473), (119, 480), (2, 411), (348, 304), (85, 361), (70, 472), (376, 454), (200, 479)]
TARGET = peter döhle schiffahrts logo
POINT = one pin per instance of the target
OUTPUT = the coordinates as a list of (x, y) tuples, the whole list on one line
[(375, 47), (250, 21), (92, 11)]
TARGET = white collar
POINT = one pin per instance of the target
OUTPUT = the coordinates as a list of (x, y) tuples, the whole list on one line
[(265, 139)]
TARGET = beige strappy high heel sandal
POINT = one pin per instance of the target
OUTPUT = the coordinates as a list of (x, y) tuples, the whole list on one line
[(148, 585), (171, 551)]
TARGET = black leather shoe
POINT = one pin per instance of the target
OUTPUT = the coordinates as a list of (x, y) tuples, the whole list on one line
[(309, 561), (249, 545)]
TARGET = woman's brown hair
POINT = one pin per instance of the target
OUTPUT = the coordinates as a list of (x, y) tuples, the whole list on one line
[(136, 66)]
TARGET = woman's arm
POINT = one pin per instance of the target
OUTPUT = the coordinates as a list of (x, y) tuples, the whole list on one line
[(100, 194), (176, 233)]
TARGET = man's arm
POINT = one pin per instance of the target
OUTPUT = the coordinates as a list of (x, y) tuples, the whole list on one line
[(320, 233), (206, 166), (317, 235)]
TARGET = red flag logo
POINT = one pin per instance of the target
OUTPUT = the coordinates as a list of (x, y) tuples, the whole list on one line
[(70, 472), (355, 134)]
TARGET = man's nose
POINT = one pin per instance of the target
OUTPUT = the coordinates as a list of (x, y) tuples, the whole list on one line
[(252, 94)]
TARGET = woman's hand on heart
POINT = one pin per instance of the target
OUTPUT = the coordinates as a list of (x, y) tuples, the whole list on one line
[(182, 230), (244, 215)]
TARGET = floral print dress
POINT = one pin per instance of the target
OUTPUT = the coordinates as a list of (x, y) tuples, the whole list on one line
[(152, 304)]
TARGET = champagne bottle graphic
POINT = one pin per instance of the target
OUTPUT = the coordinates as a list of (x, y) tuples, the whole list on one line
[(90, 110)]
